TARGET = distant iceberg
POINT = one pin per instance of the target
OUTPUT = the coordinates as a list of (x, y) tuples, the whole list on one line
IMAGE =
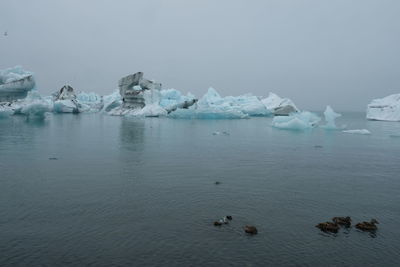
[(279, 106), (296, 121), (213, 106), (15, 83), (358, 131), (384, 109), (330, 117)]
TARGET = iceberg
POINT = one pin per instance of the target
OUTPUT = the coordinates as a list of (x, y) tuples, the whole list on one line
[(172, 99), (296, 121), (65, 101), (89, 102), (15, 83), (132, 88), (212, 106), (111, 101), (385, 109), (279, 106), (358, 131), (330, 117), (34, 106)]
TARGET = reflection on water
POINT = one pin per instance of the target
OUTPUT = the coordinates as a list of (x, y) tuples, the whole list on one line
[(132, 133)]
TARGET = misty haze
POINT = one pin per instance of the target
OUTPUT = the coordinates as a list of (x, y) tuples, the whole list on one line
[(199, 133)]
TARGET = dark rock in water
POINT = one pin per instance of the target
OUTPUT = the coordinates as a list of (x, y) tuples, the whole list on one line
[(53, 158), (217, 223), (229, 217), (368, 226), (328, 227), (217, 182), (250, 229), (345, 221)]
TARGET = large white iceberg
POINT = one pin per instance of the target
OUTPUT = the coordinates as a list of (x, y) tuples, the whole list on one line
[(15, 83), (385, 109), (279, 106), (330, 117), (296, 121)]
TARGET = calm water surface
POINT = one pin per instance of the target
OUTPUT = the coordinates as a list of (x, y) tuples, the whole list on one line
[(131, 192)]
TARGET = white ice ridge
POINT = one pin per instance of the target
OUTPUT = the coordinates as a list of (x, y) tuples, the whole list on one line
[(358, 131), (385, 109), (213, 106), (296, 121), (330, 117)]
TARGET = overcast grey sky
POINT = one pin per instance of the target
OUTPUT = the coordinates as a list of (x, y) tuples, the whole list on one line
[(338, 52)]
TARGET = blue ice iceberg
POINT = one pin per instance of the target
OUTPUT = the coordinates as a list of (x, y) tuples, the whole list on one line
[(213, 106), (34, 106), (330, 117), (296, 121)]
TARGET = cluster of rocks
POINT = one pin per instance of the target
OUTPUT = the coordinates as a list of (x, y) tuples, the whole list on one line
[(337, 222)]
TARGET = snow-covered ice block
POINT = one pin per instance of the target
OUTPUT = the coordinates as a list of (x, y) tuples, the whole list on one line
[(384, 109), (279, 106), (358, 131), (15, 83), (296, 121)]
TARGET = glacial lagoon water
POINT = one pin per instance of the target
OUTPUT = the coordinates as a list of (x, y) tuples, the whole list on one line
[(93, 190)]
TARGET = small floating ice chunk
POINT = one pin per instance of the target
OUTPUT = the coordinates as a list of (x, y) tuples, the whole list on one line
[(330, 117), (358, 131), (296, 121)]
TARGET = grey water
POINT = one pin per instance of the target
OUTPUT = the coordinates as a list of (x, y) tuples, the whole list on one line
[(93, 190)]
